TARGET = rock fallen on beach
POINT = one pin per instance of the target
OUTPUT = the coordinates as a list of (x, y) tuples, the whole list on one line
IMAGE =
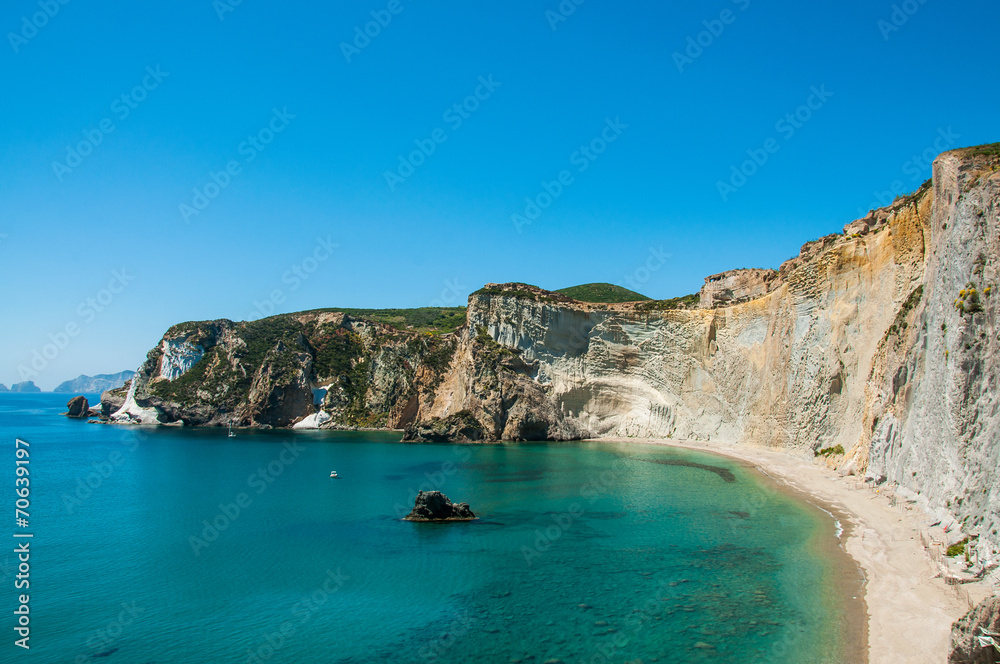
[(435, 506), (972, 636)]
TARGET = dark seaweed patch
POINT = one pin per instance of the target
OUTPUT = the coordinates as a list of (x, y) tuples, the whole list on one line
[(724, 473)]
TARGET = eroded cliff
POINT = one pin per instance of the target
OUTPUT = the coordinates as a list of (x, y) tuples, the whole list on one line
[(309, 369), (878, 346)]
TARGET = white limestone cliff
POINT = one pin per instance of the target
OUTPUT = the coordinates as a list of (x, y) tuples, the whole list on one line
[(858, 343)]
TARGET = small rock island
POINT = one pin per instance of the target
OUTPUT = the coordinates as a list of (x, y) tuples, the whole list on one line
[(434, 506), (78, 407)]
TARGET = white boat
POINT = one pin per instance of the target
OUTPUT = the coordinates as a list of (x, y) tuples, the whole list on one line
[(333, 474)]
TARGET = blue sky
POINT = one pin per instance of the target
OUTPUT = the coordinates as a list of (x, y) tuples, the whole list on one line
[(307, 216)]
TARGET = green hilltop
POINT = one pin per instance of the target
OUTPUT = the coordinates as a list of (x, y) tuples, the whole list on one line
[(602, 294)]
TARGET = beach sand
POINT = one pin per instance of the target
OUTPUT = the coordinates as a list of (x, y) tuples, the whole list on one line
[(910, 608)]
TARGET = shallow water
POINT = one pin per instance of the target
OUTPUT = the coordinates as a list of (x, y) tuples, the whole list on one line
[(171, 545)]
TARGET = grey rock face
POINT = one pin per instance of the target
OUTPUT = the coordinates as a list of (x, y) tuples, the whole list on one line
[(113, 399), (972, 640), (458, 428)]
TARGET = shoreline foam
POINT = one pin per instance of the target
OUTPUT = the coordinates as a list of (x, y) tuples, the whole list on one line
[(909, 608)]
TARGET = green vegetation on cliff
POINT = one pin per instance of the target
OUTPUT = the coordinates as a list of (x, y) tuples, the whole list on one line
[(684, 302), (521, 291), (250, 367), (436, 320), (989, 150), (602, 294)]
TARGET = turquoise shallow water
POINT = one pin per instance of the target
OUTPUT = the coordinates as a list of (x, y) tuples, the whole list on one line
[(188, 546)]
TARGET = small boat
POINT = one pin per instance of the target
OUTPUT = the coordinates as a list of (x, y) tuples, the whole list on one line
[(333, 474), (232, 434)]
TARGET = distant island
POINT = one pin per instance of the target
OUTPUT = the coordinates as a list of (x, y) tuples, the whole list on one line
[(26, 386), (84, 384)]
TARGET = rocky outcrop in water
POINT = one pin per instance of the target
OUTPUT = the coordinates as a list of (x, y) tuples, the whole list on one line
[(435, 506), (25, 387), (77, 407), (975, 638)]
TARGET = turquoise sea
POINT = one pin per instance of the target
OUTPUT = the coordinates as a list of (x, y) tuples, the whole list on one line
[(182, 545)]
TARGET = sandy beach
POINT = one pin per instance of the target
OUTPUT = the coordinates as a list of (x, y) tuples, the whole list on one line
[(910, 608)]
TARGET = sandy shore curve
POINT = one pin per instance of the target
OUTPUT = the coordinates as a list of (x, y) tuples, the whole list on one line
[(910, 607)]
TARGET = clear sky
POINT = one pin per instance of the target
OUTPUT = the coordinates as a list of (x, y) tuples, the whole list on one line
[(621, 122)]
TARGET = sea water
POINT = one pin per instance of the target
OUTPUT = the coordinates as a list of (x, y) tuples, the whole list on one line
[(185, 545)]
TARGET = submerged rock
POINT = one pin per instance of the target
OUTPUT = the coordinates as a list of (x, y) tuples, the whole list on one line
[(435, 506), (972, 636)]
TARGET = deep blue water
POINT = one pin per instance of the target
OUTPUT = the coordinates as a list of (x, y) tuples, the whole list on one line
[(182, 545)]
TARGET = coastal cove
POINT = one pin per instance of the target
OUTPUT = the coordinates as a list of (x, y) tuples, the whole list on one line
[(882, 535), (585, 551)]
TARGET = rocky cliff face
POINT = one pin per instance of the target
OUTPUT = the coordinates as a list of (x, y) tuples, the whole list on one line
[(283, 371), (736, 286), (931, 412), (878, 346), (975, 638)]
